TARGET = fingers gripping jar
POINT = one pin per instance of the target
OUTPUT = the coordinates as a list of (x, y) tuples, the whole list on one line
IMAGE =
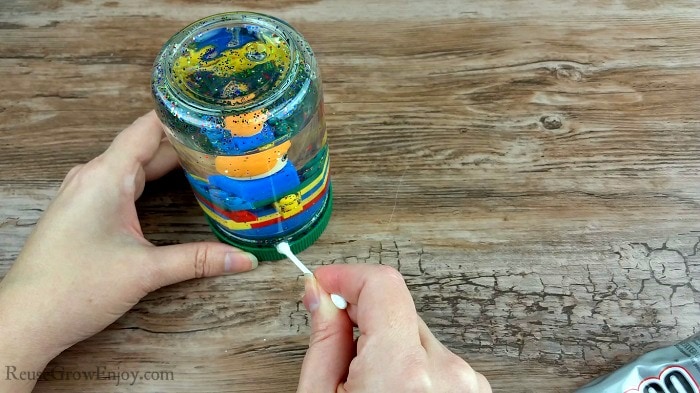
[(240, 96)]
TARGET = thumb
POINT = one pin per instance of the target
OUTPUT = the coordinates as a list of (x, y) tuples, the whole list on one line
[(331, 348), (182, 262)]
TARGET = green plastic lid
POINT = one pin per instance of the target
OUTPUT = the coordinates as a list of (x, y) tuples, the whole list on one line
[(297, 243)]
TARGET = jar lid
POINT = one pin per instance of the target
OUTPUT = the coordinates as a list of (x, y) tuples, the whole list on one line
[(232, 71)]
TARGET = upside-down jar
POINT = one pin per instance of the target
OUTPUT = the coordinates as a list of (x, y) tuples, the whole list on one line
[(240, 97)]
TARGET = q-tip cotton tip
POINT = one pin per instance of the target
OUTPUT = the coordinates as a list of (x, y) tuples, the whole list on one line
[(339, 301), (284, 249)]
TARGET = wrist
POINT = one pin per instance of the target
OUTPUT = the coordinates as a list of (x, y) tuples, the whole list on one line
[(21, 364), (17, 351), (19, 374), (24, 343)]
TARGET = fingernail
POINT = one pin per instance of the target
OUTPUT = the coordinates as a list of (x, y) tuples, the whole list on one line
[(237, 262), (312, 295)]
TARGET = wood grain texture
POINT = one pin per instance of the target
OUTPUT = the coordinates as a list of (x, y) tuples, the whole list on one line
[(530, 167)]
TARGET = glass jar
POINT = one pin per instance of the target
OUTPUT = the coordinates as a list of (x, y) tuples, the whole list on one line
[(240, 96)]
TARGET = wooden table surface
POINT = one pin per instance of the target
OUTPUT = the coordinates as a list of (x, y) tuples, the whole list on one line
[(531, 167)]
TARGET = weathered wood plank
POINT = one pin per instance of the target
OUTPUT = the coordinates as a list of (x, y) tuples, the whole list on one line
[(530, 167)]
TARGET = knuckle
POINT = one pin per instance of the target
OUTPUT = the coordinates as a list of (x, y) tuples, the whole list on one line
[(96, 168), (73, 171), (72, 176), (150, 276), (112, 162), (417, 380), (358, 365), (457, 362), (76, 173), (388, 277), (322, 331), (97, 163), (464, 376), (389, 273), (201, 262), (415, 376), (467, 377)]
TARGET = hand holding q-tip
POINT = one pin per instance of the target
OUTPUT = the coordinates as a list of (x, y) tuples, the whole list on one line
[(87, 263), (395, 351)]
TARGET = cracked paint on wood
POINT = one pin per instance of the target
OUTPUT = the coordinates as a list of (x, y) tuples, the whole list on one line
[(530, 167)]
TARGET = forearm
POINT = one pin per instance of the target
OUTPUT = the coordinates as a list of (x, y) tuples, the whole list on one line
[(23, 355), (20, 363), (16, 376)]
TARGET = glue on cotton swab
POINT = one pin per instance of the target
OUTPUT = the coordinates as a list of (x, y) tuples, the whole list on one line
[(284, 249)]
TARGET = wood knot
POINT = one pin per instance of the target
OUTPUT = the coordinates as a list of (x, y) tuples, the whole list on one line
[(566, 71), (551, 122)]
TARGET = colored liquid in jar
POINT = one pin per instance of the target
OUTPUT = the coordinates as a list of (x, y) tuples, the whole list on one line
[(267, 194), (242, 105)]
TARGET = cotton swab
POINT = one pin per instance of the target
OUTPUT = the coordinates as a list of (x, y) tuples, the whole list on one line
[(284, 249), (339, 301)]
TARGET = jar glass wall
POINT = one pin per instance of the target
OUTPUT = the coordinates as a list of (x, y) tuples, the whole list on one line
[(241, 98)]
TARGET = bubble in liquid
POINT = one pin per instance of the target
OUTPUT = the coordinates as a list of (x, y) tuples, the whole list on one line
[(256, 56)]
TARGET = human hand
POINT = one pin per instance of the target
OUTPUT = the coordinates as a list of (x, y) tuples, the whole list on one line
[(396, 352), (87, 262)]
